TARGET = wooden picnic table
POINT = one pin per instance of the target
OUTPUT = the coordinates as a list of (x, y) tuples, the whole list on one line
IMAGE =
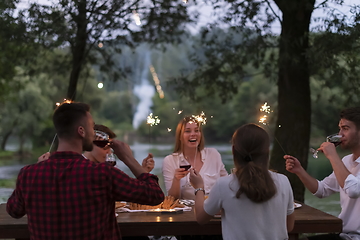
[(307, 220)]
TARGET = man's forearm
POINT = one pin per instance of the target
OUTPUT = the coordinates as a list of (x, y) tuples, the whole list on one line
[(310, 183)]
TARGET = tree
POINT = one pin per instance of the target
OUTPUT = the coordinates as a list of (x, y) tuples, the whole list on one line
[(248, 39), (86, 25), (16, 46)]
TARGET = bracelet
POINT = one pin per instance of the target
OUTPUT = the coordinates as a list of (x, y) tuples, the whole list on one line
[(199, 189)]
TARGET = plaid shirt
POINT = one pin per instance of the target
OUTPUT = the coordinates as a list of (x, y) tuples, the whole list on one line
[(69, 197)]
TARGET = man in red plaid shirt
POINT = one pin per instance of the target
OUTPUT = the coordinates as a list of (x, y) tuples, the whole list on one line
[(69, 197)]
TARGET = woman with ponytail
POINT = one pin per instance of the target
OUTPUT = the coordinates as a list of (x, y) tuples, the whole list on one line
[(255, 203)]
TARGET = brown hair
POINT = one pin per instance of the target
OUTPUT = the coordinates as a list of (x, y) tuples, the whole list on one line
[(105, 129), (68, 116), (353, 115), (250, 144), (180, 131)]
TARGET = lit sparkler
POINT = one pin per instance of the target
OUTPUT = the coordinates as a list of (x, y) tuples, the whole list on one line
[(58, 104), (200, 118), (152, 120), (264, 119), (65, 101), (267, 110)]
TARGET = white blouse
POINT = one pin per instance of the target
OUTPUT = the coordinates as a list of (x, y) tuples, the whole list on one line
[(212, 169)]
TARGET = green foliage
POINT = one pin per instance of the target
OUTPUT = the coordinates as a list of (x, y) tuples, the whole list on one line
[(6, 154), (90, 28)]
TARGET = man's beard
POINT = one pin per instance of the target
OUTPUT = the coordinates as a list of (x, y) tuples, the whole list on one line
[(87, 145)]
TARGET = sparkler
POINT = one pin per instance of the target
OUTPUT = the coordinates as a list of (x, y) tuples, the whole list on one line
[(264, 120), (58, 104), (266, 109), (200, 118), (152, 121)]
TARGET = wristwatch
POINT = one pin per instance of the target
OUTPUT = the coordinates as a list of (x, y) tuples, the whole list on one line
[(199, 189)]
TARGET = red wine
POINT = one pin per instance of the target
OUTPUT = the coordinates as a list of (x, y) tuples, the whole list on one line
[(111, 163), (336, 143), (101, 143), (186, 167)]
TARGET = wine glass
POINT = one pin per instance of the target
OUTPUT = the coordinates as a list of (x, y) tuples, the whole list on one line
[(101, 139), (333, 138), (110, 159), (185, 165)]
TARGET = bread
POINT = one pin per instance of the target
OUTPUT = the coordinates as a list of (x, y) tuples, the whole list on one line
[(169, 203), (120, 204)]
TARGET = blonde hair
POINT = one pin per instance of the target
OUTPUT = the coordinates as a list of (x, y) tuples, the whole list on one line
[(180, 131)]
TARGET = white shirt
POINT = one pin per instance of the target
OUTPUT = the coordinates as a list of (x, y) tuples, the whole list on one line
[(243, 219), (212, 169), (349, 197)]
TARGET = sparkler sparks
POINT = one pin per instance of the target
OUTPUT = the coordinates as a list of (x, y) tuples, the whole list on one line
[(65, 101), (200, 118), (266, 109), (264, 120), (152, 120)]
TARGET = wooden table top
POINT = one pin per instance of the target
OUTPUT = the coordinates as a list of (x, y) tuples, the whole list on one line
[(307, 220)]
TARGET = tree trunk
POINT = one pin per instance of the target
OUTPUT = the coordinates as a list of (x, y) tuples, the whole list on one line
[(5, 138), (78, 49), (292, 133)]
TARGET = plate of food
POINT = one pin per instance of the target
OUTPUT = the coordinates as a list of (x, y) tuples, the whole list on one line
[(297, 205), (169, 205)]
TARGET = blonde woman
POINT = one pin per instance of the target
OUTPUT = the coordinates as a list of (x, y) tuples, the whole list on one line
[(190, 151)]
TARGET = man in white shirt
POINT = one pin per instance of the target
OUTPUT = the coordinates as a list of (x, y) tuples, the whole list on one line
[(345, 177)]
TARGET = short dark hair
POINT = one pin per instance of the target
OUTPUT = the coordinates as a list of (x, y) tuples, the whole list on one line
[(352, 114), (105, 129), (67, 116)]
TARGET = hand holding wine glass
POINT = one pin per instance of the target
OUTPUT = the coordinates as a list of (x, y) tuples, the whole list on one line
[(185, 166), (333, 138)]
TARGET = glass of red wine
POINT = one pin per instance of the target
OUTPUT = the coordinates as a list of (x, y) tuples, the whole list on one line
[(101, 143), (102, 139), (333, 138), (110, 159), (186, 166)]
